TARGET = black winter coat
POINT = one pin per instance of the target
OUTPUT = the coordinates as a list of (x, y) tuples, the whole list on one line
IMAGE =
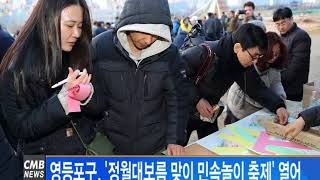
[(296, 74), (227, 70), (146, 106), (37, 119)]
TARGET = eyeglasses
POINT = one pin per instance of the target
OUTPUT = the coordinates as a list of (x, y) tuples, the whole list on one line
[(259, 56)]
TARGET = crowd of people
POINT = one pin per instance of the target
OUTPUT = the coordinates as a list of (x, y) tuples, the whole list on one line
[(212, 27), (99, 27), (145, 84)]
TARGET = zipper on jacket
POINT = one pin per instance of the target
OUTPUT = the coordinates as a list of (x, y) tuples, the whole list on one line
[(137, 69), (146, 89), (121, 77), (134, 101)]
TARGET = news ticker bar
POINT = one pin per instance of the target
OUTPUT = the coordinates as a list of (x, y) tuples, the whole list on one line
[(156, 168)]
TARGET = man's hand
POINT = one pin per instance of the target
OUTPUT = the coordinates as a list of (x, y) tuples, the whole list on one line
[(205, 109), (175, 150), (283, 115), (293, 129)]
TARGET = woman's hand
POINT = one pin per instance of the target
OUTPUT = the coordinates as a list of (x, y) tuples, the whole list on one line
[(74, 78)]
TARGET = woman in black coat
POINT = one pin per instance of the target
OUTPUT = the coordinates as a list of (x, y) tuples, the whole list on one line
[(52, 45)]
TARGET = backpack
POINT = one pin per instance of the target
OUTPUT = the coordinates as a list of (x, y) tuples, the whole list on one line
[(203, 69), (198, 63)]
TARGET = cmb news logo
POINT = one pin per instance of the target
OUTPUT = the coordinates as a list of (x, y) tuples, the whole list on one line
[(34, 167)]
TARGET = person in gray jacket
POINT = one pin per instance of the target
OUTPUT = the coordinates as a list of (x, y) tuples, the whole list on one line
[(239, 103)]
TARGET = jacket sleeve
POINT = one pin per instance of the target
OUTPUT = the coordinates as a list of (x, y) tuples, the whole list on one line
[(25, 122), (177, 88), (252, 85), (276, 85), (299, 59), (98, 102), (311, 117)]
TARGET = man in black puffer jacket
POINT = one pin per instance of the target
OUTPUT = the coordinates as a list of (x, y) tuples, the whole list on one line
[(235, 55), (141, 81)]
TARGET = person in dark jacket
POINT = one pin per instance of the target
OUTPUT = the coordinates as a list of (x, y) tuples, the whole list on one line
[(142, 80), (235, 55), (223, 20), (213, 28), (5, 42), (299, 43), (307, 118), (38, 118), (268, 68), (100, 29)]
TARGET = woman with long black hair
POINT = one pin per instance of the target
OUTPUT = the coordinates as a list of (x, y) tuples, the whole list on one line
[(53, 44)]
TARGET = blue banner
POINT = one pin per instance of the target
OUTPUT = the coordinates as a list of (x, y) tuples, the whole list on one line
[(193, 168)]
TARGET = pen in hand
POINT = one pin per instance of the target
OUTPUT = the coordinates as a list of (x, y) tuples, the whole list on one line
[(63, 82)]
